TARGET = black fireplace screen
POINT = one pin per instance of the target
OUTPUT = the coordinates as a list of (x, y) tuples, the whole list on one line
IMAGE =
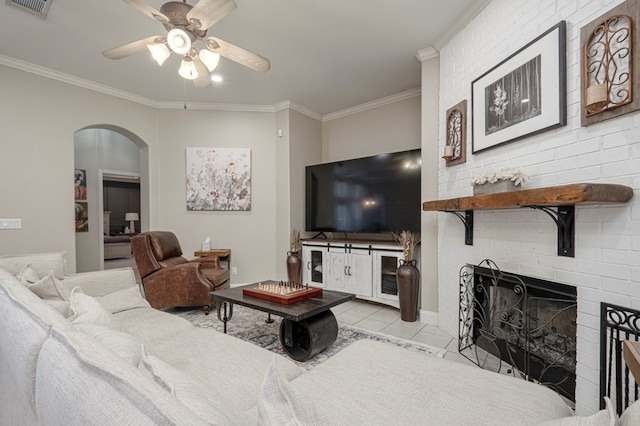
[(519, 325)]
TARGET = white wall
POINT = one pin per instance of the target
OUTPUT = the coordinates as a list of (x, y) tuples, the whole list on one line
[(39, 117), (251, 234), (388, 128), (606, 266)]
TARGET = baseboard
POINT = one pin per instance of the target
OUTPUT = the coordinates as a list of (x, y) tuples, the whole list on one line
[(429, 317)]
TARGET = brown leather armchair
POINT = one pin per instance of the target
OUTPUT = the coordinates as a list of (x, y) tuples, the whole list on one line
[(170, 280)]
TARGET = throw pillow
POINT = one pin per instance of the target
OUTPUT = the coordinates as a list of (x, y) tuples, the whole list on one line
[(605, 417), (191, 392), (62, 306), (280, 403), (631, 416), (87, 310), (93, 319), (27, 275), (123, 300), (48, 287)]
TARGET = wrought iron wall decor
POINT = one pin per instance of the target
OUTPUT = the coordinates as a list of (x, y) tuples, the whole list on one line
[(610, 79), (455, 150), (617, 324), (527, 329)]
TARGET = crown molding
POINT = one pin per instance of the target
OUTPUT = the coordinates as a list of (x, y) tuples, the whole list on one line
[(107, 90), (427, 53), (373, 104), (76, 81), (297, 107)]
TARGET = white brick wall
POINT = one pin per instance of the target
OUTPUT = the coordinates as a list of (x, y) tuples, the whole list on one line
[(606, 266)]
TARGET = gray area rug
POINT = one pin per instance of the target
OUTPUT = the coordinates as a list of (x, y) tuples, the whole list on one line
[(249, 324)]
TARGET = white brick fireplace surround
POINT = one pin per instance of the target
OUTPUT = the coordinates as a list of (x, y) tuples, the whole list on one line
[(606, 266)]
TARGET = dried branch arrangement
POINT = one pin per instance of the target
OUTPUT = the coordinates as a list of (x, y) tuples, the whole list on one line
[(296, 245), (408, 242)]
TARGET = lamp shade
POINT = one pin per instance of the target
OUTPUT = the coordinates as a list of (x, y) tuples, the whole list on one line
[(159, 52), (179, 41), (188, 69), (209, 59), (131, 216)]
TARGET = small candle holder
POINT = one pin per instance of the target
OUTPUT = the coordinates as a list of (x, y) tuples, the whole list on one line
[(448, 152)]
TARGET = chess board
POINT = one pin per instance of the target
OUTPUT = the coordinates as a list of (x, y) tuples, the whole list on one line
[(282, 291)]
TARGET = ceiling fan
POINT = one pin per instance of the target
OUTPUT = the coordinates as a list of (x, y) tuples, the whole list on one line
[(187, 25)]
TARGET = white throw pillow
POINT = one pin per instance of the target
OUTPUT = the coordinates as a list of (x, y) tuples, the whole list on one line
[(631, 416), (62, 306), (123, 300), (93, 319), (192, 392), (605, 417), (27, 275), (280, 404), (87, 310), (47, 287)]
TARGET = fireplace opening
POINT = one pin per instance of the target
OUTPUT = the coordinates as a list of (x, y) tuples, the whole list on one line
[(524, 325)]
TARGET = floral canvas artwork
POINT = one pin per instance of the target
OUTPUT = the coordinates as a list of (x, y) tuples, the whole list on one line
[(218, 179)]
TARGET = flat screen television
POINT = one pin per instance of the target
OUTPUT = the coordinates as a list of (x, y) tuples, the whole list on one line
[(379, 194)]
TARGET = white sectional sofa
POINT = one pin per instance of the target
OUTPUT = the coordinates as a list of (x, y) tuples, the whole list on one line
[(102, 356)]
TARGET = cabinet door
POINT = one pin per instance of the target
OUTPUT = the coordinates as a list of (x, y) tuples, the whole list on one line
[(315, 265), (338, 278), (359, 273), (385, 266)]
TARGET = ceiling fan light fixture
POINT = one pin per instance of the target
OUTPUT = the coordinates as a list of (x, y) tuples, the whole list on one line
[(179, 41), (209, 59), (159, 52), (216, 78), (188, 69)]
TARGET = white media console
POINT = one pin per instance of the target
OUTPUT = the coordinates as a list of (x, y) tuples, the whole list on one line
[(366, 269)]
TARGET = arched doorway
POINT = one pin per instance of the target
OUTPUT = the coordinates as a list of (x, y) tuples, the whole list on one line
[(99, 151)]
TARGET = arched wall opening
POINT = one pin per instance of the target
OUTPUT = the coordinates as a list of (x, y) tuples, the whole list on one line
[(106, 152)]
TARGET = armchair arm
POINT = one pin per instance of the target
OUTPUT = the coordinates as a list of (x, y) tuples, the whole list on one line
[(180, 285), (101, 283)]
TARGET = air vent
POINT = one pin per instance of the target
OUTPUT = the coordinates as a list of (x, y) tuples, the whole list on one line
[(36, 7)]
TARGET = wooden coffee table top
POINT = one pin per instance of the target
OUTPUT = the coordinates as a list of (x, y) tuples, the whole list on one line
[(295, 311)]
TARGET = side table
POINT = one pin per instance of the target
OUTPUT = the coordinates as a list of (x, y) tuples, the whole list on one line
[(223, 254)]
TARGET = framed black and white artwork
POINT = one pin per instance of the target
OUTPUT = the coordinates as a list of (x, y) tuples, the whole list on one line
[(523, 95)]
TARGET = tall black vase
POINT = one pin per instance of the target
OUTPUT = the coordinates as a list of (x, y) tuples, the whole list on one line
[(294, 266), (408, 280)]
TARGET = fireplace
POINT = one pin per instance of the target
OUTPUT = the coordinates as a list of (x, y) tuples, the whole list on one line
[(520, 325)]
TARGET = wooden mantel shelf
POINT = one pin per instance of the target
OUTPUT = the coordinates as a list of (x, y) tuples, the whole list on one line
[(563, 198), (553, 196)]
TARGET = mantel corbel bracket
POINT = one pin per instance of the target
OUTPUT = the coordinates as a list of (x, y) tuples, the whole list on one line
[(564, 218), (467, 221)]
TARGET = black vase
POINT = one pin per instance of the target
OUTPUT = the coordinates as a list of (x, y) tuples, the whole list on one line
[(408, 280), (294, 266)]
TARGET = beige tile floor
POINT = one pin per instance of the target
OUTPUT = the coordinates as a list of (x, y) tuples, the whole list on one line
[(385, 319)]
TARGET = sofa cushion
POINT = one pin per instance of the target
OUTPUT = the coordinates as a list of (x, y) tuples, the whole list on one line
[(41, 263), (123, 300), (27, 275), (193, 393), (93, 319), (48, 287), (165, 326), (281, 404), (246, 363), (99, 388), (605, 417), (366, 364)]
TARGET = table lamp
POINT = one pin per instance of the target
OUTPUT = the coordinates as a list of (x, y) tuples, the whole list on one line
[(131, 217)]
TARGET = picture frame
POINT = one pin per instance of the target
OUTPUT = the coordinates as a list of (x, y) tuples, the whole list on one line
[(218, 179), (523, 95)]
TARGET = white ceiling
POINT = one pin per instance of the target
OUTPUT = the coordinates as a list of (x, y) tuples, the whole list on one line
[(326, 55)]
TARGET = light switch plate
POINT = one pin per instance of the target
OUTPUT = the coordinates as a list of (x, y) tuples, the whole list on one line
[(10, 223)]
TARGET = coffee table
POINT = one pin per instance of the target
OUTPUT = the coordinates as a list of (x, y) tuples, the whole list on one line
[(307, 328)]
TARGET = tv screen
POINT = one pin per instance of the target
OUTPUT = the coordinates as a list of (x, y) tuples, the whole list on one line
[(378, 194)]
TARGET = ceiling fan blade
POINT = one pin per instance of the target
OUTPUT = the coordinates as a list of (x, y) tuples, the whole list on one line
[(238, 54), (133, 47), (148, 10), (207, 12), (203, 79)]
